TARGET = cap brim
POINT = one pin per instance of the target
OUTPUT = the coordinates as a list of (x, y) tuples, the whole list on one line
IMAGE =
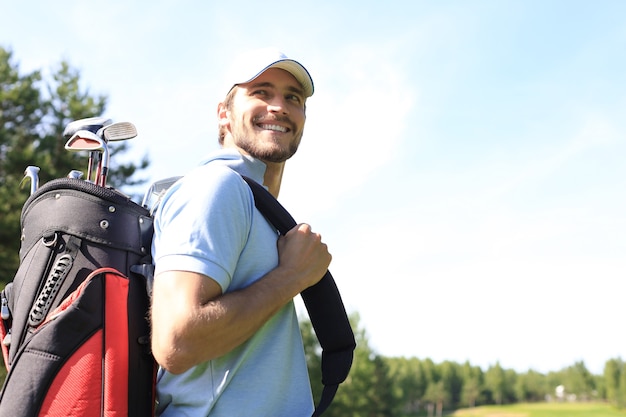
[(298, 71), (251, 65)]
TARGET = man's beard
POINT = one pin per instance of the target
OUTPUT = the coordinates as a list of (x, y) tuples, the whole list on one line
[(265, 151)]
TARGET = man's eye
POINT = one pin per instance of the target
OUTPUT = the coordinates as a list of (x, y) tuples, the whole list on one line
[(259, 93), (294, 98)]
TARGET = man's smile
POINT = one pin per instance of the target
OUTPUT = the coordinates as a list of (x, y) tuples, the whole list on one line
[(276, 128)]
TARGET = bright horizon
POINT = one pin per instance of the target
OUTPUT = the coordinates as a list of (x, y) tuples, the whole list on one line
[(463, 161)]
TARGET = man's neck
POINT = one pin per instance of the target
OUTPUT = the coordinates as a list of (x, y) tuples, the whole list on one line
[(273, 177), (273, 171)]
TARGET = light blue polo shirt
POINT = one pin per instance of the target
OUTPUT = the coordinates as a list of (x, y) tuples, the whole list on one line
[(207, 223)]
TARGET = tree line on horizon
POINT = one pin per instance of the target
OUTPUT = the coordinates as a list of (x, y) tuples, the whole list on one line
[(380, 386)]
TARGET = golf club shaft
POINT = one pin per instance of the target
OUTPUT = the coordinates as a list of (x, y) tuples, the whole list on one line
[(104, 165)]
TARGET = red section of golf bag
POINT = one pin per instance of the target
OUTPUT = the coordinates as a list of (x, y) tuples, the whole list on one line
[(93, 380), (89, 355)]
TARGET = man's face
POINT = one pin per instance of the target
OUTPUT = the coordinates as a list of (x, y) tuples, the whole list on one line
[(267, 116)]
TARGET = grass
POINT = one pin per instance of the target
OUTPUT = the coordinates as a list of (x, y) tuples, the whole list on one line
[(543, 410)]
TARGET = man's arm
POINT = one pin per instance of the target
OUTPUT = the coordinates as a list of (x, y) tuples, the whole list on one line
[(192, 321)]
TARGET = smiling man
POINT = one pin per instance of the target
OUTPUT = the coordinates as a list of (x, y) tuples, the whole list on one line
[(224, 327)]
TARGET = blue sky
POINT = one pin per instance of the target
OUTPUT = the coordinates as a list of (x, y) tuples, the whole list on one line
[(463, 160)]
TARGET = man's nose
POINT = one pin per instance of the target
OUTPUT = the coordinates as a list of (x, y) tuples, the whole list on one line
[(277, 105)]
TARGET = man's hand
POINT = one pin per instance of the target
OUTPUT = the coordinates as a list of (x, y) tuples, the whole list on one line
[(304, 255)]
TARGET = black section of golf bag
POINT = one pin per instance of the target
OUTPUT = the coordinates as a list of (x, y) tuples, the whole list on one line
[(70, 228)]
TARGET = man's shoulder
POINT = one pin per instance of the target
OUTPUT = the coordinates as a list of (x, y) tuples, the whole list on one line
[(212, 177), (205, 185)]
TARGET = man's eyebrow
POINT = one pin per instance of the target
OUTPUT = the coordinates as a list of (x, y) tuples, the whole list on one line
[(296, 90), (291, 88)]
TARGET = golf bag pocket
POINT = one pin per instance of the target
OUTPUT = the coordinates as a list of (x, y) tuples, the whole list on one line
[(76, 362), (26, 308)]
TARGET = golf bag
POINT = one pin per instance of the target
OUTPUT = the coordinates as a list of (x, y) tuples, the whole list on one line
[(74, 323)]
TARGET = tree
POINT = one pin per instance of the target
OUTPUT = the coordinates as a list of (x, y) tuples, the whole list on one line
[(367, 392), (409, 383), (32, 120), (612, 376), (579, 381), (495, 381), (621, 389), (510, 379), (531, 387), (471, 391), (452, 381), (20, 113), (437, 395), (473, 381)]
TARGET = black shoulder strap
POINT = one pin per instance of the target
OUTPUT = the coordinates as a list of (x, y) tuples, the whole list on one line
[(323, 303)]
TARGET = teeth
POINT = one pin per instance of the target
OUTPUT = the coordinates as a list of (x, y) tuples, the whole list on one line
[(274, 127)]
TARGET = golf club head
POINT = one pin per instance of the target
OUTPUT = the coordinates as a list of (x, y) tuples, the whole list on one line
[(118, 131), (76, 174), (85, 140), (91, 124), (153, 196), (31, 173)]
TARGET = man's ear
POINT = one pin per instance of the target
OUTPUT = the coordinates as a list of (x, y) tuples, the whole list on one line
[(223, 115)]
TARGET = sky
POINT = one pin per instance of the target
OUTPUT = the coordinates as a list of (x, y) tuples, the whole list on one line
[(463, 160)]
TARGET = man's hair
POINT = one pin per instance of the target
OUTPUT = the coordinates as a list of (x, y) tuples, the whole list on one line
[(228, 103)]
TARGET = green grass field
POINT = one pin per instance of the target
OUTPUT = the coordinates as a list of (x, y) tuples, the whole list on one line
[(543, 410)]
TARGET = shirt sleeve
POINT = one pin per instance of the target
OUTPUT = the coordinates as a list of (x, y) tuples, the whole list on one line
[(203, 224)]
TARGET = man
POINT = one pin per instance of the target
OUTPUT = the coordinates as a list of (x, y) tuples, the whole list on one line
[(224, 328)]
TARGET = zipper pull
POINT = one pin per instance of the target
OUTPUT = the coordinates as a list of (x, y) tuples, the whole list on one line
[(5, 313), (7, 339)]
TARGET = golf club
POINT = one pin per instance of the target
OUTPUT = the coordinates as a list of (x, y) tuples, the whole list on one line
[(91, 124), (155, 193), (85, 140), (31, 173), (76, 174), (118, 131)]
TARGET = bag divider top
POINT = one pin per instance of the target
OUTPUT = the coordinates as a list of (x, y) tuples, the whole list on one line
[(82, 209)]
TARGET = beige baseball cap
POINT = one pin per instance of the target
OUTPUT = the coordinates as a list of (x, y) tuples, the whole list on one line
[(250, 65)]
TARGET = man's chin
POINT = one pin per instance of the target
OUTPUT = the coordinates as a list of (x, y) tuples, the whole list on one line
[(269, 151), (273, 158)]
